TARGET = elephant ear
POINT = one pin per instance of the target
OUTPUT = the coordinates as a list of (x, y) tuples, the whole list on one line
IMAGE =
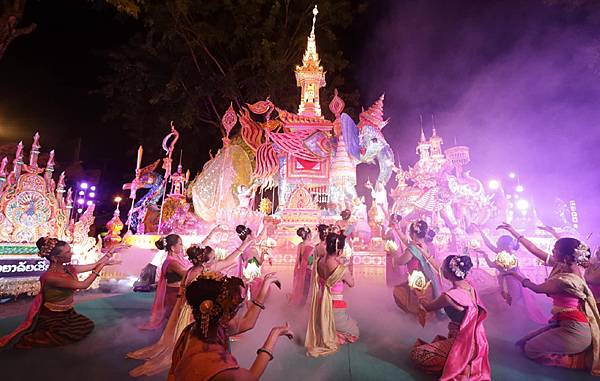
[(350, 133)]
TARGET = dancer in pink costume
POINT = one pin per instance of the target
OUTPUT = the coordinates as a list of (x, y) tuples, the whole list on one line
[(172, 272), (464, 354), (572, 337), (302, 268)]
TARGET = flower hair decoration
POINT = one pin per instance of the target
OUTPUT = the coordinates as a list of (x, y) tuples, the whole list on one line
[(455, 265), (416, 228), (582, 254), (222, 304), (48, 246)]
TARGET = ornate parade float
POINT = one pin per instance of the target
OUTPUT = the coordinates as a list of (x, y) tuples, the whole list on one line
[(310, 162), (33, 205)]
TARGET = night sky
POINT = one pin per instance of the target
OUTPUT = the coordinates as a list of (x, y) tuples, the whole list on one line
[(517, 81)]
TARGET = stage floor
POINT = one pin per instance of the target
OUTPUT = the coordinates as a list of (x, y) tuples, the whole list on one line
[(380, 354)]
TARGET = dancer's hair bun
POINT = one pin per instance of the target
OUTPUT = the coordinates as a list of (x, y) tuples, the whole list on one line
[(243, 232)]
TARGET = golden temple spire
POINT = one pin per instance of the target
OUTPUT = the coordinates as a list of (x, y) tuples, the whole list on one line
[(310, 77)]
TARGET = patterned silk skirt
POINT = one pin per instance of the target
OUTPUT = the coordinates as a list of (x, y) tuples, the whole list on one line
[(346, 328), (431, 357), (408, 300), (56, 328)]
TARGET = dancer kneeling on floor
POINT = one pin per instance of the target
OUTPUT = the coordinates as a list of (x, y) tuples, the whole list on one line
[(464, 354), (52, 320), (572, 340), (201, 351)]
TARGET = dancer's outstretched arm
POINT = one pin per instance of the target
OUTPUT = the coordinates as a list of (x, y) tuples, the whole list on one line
[(530, 246), (491, 264), (550, 230), (70, 283), (403, 236), (548, 287), (233, 257), (248, 321), (263, 356), (217, 228), (486, 240)]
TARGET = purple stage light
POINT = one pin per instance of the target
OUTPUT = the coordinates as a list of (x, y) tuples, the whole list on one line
[(92, 194), (84, 186), (80, 201), (494, 184), (522, 204)]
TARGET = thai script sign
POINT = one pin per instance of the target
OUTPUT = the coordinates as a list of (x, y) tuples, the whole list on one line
[(17, 268)]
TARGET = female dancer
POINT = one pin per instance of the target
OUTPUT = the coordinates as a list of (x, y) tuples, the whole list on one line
[(592, 275), (302, 268), (329, 324), (574, 329), (320, 250), (52, 320), (173, 270), (201, 351), (158, 356), (393, 273), (417, 257), (510, 288), (464, 354)]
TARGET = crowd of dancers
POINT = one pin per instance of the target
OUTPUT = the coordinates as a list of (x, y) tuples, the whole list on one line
[(203, 301)]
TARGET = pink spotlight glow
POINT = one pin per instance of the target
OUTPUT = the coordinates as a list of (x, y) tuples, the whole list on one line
[(494, 184)]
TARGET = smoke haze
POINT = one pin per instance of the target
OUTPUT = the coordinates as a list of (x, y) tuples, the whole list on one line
[(516, 81)]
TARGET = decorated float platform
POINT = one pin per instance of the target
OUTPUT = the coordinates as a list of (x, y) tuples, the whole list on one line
[(33, 205), (281, 169), (286, 170)]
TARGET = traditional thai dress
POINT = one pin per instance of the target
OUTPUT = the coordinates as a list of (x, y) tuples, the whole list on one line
[(574, 329), (302, 273), (329, 324), (166, 293), (196, 360), (512, 290), (404, 296), (49, 322), (158, 356), (595, 287), (463, 355), (394, 274)]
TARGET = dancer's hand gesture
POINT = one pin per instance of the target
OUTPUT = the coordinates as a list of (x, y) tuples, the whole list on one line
[(284, 330), (509, 228), (271, 278)]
